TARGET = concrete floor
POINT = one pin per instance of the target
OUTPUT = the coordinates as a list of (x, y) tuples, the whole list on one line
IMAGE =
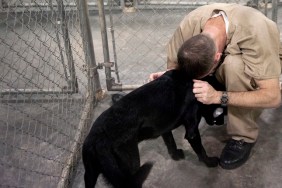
[(262, 170), (35, 141)]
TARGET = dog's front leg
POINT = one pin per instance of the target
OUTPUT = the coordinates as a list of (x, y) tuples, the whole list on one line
[(191, 122), (176, 154), (197, 146)]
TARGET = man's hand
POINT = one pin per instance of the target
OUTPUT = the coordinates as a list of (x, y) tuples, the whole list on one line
[(205, 93), (155, 75)]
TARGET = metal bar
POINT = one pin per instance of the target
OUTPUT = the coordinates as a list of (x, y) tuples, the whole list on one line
[(124, 87), (256, 3), (41, 100), (274, 10), (33, 91), (94, 86), (65, 31), (253, 4), (143, 6), (59, 45), (113, 41), (87, 40), (265, 7), (111, 85), (122, 3), (109, 79)]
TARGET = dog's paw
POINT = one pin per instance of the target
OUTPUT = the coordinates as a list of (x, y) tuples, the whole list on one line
[(177, 155), (211, 161)]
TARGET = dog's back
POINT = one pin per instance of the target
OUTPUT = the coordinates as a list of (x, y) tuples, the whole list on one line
[(159, 102)]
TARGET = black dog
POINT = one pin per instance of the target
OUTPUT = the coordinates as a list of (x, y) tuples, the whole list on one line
[(153, 110)]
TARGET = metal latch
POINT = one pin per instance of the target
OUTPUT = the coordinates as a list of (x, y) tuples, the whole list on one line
[(105, 64)]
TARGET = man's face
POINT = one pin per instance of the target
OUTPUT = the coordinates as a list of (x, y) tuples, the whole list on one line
[(212, 69), (215, 64)]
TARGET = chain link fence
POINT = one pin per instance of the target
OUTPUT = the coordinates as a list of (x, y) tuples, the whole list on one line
[(49, 79), (47, 90), (136, 32)]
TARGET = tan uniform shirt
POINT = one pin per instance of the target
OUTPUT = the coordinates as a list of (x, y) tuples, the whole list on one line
[(250, 34)]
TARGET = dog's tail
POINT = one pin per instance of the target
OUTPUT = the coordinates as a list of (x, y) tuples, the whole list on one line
[(143, 172)]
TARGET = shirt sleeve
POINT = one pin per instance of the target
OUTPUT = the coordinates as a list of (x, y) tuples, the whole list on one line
[(188, 27), (172, 48), (260, 51)]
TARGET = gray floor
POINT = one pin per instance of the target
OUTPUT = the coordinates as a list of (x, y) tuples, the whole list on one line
[(261, 170), (35, 141)]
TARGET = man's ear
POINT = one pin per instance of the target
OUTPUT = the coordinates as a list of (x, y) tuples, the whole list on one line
[(217, 57)]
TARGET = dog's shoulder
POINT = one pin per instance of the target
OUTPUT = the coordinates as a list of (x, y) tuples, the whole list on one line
[(179, 80), (178, 76), (173, 82), (172, 86)]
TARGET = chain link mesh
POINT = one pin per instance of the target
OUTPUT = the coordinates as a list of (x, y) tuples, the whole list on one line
[(144, 27), (43, 90)]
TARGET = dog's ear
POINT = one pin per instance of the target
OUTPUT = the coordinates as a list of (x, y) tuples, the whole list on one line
[(117, 96)]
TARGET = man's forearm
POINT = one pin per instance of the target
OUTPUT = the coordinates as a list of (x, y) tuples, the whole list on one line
[(253, 99)]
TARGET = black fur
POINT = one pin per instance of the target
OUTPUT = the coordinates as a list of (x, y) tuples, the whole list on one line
[(153, 110)]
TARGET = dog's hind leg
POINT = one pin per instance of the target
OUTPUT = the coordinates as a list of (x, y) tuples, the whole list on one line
[(121, 164), (91, 166), (113, 172), (176, 154)]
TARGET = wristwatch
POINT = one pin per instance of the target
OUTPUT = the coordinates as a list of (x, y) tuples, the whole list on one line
[(224, 99)]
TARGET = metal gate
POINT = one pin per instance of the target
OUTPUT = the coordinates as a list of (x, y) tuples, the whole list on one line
[(48, 87), (135, 33)]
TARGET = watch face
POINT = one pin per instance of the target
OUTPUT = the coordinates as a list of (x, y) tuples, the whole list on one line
[(224, 98)]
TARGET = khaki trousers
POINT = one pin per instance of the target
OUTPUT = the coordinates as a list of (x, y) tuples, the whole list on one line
[(242, 122)]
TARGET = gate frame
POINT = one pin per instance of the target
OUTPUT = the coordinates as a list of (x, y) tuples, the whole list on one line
[(110, 81)]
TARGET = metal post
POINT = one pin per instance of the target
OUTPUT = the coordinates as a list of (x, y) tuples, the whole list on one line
[(94, 87), (265, 7), (103, 26), (65, 31), (59, 46), (113, 40), (274, 10), (3, 4), (87, 40), (110, 81), (255, 2)]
